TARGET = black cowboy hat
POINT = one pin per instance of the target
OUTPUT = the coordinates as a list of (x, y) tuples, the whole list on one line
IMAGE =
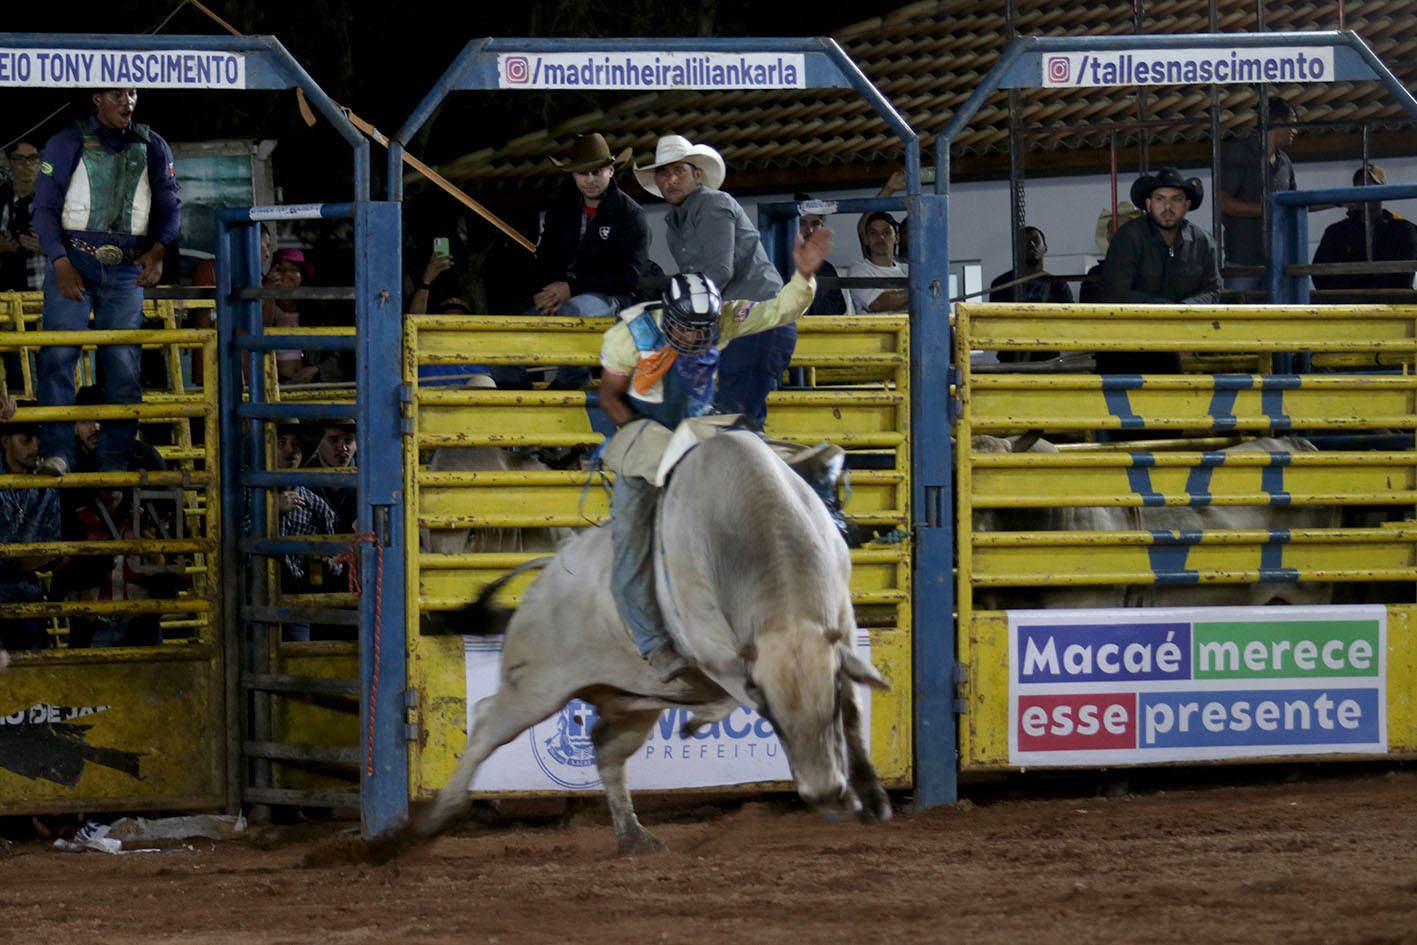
[(591, 153), (20, 427), (1168, 177)]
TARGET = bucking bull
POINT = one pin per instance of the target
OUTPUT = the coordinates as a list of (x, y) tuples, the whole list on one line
[(754, 581)]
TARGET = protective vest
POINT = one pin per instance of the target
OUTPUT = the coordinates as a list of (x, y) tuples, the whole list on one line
[(667, 394), (110, 191)]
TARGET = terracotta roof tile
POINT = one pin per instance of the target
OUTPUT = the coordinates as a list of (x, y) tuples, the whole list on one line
[(928, 57)]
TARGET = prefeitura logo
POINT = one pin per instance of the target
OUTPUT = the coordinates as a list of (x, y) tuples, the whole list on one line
[(562, 748)]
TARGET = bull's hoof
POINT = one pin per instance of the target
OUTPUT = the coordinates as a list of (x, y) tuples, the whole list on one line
[(875, 807), (430, 818), (640, 842)]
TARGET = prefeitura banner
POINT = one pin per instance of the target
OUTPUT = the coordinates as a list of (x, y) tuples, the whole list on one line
[(557, 755), (1110, 687)]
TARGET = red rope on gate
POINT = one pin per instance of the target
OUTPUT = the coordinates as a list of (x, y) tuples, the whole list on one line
[(355, 588)]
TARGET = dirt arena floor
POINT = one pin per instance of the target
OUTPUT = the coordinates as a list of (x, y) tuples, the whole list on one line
[(1297, 855)]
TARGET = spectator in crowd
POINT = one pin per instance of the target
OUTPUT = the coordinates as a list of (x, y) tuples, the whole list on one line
[(450, 375), (1347, 241), (336, 449), (1241, 189), (1092, 282), (301, 512), (1161, 257), (1043, 287), (438, 263), (594, 245), (811, 217), (880, 262), (26, 515), (21, 259), (101, 514), (710, 233), (105, 209), (894, 183), (289, 270)]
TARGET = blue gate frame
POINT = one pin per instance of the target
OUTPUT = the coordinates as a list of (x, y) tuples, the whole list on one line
[(238, 63), (828, 66)]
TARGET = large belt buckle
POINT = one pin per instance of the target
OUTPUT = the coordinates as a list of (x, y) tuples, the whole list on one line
[(108, 254)]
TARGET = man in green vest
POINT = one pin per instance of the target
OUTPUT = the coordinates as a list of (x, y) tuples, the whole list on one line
[(105, 210)]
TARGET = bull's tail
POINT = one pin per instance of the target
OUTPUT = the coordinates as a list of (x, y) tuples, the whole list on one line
[(482, 617)]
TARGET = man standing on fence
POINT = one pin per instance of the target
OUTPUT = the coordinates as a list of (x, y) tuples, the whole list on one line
[(105, 209)]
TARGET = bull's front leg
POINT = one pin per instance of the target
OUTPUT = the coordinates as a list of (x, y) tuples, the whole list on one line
[(616, 738), (875, 803)]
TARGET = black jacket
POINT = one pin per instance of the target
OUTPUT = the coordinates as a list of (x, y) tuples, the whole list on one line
[(1345, 241), (608, 259), (1140, 267)]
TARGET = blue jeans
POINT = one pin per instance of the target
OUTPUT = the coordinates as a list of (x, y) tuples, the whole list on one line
[(115, 298), (751, 369), (585, 305), (632, 507)]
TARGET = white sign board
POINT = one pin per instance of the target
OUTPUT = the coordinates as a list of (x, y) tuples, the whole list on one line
[(1135, 686), (557, 755)]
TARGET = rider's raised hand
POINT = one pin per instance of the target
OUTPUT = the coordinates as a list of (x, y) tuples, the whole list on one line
[(808, 254)]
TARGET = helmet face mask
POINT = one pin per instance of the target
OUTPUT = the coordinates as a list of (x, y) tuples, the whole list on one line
[(691, 310)]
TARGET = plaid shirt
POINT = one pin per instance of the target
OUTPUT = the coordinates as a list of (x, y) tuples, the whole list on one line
[(315, 517)]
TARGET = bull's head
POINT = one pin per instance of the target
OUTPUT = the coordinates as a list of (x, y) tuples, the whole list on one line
[(799, 679)]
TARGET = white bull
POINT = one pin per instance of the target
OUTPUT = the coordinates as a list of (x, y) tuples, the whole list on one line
[(1157, 518), (754, 583)]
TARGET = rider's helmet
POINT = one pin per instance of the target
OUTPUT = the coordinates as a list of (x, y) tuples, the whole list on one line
[(691, 311)]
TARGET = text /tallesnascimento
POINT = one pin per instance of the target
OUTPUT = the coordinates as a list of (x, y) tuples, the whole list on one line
[(1133, 70)]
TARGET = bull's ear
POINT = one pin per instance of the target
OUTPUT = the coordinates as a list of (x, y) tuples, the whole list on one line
[(860, 670)]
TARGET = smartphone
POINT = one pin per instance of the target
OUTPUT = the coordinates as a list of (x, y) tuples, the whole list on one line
[(440, 245)]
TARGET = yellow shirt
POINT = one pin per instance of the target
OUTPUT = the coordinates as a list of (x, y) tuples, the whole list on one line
[(618, 353)]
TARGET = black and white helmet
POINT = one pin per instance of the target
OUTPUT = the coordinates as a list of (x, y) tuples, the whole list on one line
[(691, 312)]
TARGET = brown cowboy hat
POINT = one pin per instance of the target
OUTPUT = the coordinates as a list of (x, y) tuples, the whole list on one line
[(591, 153)]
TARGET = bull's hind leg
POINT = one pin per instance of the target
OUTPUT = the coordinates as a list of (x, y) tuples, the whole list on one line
[(498, 719), (875, 803), (616, 737)]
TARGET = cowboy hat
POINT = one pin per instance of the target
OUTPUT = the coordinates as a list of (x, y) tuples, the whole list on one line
[(591, 153), (1168, 177), (1126, 212), (672, 149)]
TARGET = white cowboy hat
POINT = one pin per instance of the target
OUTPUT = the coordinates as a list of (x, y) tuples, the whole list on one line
[(672, 149)]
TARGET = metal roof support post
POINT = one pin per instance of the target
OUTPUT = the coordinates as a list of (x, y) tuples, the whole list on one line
[(382, 654), (933, 631), (237, 262)]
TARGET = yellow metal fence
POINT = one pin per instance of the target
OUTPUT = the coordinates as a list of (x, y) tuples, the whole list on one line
[(1182, 421), (870, 418)]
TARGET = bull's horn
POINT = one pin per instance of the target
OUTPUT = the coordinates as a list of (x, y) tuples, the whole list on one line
[(860, 670)]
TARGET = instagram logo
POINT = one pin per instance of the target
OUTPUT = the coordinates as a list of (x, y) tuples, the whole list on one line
[(1059, 68), (515, 70)]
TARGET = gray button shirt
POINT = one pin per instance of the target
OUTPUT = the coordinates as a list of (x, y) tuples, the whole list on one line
[(710, 233)]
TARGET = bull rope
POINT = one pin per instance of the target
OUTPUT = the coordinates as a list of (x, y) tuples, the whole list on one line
[(357, 589)]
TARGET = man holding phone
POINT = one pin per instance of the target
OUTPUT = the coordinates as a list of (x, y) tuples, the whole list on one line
[(594, 245)]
